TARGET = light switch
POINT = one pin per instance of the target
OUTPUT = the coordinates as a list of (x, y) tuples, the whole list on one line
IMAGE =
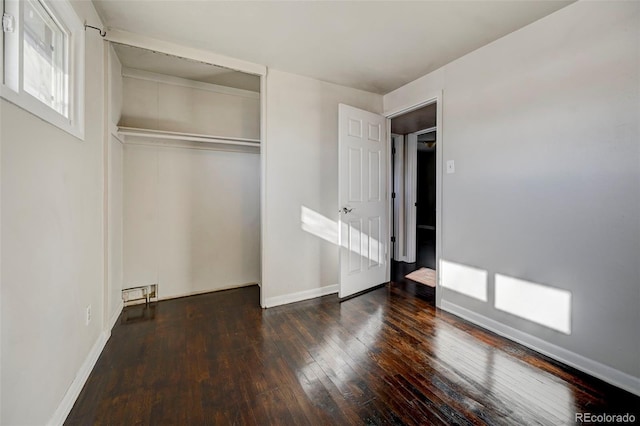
[(451, 167)]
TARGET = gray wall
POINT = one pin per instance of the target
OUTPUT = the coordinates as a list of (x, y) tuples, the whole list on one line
[(302, 171), (543, 127), (52, 249)]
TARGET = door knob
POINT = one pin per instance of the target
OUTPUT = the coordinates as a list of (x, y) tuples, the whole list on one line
[(345, 210)]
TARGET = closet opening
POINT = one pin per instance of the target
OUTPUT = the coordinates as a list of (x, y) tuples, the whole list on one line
[(184, 175), (414, 195)]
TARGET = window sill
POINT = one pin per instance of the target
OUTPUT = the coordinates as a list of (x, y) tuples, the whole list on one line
[(43, 112)]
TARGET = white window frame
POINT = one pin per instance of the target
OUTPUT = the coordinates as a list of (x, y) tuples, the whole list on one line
[(11, 87)]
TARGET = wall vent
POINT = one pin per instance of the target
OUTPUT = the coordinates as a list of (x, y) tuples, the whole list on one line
[(136, 295)]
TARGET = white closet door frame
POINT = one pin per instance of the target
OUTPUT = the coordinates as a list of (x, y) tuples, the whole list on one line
[(421, 101), (411, 193), (137, 40), (411, 196), (399, 230)]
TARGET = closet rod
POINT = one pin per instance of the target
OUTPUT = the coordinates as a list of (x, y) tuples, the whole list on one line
[(191, 137)]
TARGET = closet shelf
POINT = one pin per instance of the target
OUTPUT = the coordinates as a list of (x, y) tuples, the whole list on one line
[(191, 137)]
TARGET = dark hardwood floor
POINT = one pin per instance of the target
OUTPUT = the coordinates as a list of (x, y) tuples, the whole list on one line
[(386, 357), (398, 272)]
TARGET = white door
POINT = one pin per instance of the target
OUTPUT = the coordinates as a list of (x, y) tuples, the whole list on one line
[(363, 202)]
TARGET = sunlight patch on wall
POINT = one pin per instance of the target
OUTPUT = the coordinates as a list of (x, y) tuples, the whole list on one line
[(464, 279), (360, 243), (541, 304), (319, 225)]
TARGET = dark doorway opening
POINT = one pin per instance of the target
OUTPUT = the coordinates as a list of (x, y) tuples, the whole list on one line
[(414, 199), (426, 201)]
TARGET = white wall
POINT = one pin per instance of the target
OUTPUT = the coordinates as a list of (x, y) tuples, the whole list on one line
[(191, 219), (115, 190), (153, 101), (191, 215), (543, 127), (52, 248), (302, 171)]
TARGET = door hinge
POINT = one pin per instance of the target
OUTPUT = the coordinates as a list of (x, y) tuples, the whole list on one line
[(393, 195), (393, 150), (8, 23), (393, 239)]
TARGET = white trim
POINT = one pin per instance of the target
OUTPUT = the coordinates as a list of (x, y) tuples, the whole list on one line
[(137, 302), (2, 3), (411, 107), (178, 144), (425, 131), (587, 365), (184, 82), (137, 40), (113, 131), (263, 186), (300, 296), (11, 85), (406, 195), (411, 195), (65, 406), (390, 202), (191, 137), (398, 202), (114, 317), (197, 292), (436, 98), (70, 397), (107, 217)]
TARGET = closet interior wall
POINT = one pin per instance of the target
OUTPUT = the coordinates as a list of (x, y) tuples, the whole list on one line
[(191, 210)]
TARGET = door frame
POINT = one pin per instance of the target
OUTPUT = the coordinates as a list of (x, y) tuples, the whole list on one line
[(411, 198), (437, 98), (169, 48), (397, 217)]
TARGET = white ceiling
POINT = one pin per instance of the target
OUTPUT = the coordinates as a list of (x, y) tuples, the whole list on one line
[(376, 46), (147, 60)]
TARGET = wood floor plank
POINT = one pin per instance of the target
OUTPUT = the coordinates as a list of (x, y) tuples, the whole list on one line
[(385, 357)]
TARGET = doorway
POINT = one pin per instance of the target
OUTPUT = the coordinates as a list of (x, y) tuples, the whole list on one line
[(414, 198), (426, 200)]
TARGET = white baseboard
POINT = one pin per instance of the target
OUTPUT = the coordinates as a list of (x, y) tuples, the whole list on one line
[(594, 368), (197, 292), (73, 392), (270, 302), (114, 317)]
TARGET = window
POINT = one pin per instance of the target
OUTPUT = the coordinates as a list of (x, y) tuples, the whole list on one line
[(44, 73), (43, 61)]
